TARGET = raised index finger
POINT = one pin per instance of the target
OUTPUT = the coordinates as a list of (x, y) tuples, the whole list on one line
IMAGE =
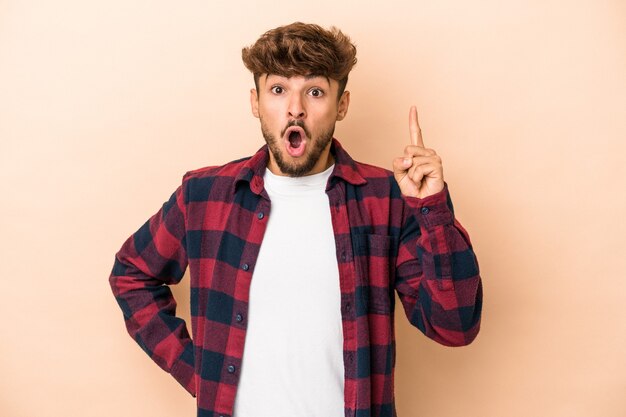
[(414, 128)]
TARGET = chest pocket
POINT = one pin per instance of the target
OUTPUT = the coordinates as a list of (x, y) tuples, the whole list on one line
[(375, 266)]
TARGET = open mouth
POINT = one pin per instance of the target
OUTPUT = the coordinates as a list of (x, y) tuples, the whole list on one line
[(295, 141)]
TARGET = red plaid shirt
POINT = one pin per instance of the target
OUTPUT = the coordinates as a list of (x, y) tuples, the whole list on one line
[(214, 223)]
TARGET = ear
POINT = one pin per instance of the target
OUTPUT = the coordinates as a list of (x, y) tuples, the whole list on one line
[(342, 106), (254, 102)]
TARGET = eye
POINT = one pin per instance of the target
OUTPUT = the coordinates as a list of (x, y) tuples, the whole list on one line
[(277, 89), (316, 92)]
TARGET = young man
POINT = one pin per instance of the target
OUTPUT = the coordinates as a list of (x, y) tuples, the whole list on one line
[(295, 253)]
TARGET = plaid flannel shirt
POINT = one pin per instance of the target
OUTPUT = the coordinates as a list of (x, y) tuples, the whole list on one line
[(214, 223)]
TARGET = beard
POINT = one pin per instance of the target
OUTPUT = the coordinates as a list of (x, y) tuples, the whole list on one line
[(316, 147)]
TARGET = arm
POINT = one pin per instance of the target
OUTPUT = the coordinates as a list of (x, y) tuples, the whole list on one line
[(437, 276), (150, 260)]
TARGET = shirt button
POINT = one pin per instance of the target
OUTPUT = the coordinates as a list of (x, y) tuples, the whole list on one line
[(425, 210), (260, 215), (231, 369), (347, 306), (239, 318), (343, 256), (245, 267)]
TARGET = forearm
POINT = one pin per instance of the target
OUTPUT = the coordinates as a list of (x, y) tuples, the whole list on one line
[(149, 311), (437, 275)]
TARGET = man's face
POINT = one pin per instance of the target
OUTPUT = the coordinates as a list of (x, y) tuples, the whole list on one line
[(298, 116)]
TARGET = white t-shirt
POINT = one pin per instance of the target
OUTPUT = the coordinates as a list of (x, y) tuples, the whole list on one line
[(293, 355)]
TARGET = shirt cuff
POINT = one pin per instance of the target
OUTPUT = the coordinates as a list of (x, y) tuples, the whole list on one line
[(434, 210)]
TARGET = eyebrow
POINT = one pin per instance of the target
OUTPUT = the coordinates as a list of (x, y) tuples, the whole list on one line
[(311, 76), (306, 77)]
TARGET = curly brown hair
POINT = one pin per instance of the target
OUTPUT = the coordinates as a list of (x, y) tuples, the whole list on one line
[(302, 49)]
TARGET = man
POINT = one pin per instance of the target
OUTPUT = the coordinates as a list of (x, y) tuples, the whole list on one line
[(295, 253)]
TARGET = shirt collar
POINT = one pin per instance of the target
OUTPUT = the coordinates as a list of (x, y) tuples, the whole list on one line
[(345, 168)]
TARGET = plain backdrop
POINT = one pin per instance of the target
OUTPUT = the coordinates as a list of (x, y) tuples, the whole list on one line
[(105, 105)]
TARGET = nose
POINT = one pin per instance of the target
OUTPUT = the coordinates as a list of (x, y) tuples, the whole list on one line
[(296, 107)]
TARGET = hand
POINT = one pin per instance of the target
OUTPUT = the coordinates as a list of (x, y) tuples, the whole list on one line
[(419, 173)]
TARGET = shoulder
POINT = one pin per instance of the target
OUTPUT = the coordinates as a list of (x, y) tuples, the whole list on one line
[(356, 172), (217, 181), (369, 171), (378, 183), (230, 169)]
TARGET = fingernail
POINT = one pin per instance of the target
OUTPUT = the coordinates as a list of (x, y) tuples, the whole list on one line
[(407, 161)]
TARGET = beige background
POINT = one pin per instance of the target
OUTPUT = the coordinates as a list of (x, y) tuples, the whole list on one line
[(104, 106)]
